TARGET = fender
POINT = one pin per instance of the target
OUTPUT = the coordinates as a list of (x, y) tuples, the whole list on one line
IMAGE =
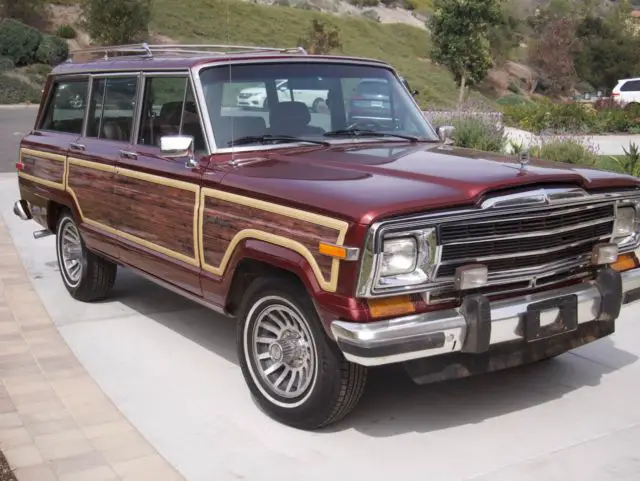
[(330, 305)]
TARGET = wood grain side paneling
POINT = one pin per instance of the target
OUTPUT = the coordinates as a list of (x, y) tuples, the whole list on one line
[(93, 191), (223, 221), (163, 215), (49, 170)]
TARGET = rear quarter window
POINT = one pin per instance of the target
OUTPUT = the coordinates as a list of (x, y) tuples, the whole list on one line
[(66, 106), (631, 86)]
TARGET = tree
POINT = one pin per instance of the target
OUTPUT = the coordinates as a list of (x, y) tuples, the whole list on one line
[(25, 10), (321, 39), (460, 36), (552, 55), (610, 51), (117, 22)]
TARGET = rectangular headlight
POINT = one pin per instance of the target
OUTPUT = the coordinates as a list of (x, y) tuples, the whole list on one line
[(399, 256), (625, 224)]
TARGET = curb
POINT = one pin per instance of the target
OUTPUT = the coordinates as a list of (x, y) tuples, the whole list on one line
[(18, 106)]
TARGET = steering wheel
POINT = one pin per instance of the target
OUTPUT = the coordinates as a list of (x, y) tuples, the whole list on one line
[(365, 125)]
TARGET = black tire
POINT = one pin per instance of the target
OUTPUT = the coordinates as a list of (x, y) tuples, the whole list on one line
[(335, 386), (96, 275)]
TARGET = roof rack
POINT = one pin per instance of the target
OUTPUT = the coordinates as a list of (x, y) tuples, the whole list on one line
[(144, 50)]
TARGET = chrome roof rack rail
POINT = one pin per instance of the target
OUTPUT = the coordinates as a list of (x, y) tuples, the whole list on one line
[(144, 50)]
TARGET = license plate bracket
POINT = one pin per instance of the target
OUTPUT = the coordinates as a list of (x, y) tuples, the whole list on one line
[(565, 310)]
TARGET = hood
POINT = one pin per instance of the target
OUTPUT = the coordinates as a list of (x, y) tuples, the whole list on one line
[(253, 90), (370, 181)]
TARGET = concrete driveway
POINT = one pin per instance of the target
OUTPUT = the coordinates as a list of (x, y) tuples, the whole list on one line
[(170, 367)]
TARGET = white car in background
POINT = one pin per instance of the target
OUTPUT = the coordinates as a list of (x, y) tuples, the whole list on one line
[(627, 91), (256, 97)]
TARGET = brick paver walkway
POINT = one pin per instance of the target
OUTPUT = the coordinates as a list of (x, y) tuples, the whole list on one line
[(55, 421)]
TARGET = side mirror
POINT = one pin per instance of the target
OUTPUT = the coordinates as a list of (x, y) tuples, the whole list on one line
[(179, 146), (445, 132), (415, 92)]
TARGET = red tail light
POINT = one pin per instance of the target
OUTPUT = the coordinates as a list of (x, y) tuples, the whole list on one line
[(19, 166), (615, 94)]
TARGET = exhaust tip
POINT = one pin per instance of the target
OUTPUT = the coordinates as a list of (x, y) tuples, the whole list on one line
[(21, 209)]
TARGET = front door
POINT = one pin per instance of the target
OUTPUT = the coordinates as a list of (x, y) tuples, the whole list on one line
[(159, 195)]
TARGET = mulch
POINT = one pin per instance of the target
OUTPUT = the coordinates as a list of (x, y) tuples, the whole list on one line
[(6, 474)]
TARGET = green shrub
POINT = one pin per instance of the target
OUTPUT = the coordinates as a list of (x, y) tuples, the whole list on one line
[(18, 41), (514, 86), (410, 5), (364, 3), (24, 10), (117, 21), (567, 150), (630, 162), (52, 50), (614, 121), (478, 134), (67, 31), (512, 99), (547, 116), (13, 90), (6, 64)]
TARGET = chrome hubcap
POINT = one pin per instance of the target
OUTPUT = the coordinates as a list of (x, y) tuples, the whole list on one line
[(71, 252), (283, 350)]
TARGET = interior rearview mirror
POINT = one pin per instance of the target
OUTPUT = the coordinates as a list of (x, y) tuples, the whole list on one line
[(176, 145)]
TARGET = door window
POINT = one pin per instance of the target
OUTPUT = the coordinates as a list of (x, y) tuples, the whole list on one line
[(66, 107), (169, 108), (112, 108)]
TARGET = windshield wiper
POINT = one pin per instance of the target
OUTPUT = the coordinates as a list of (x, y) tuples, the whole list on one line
[(261, 139), (367, 133)]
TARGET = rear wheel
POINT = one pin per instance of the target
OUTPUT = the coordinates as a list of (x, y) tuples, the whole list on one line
[(86, 276), (295, 373)]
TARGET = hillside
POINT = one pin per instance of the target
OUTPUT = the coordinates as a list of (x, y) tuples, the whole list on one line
[(231, 21)]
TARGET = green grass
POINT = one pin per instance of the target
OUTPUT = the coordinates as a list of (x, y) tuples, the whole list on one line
[(237, 22), (607, 163)]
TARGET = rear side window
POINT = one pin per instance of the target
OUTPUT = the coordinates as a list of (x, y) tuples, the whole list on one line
[(111, 109), (66, 106), (631, 86)]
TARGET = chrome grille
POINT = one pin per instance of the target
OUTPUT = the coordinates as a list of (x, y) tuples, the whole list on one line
[(526, 242)]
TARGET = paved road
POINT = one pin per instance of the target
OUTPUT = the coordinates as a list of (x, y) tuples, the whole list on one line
[(14, 123), (170, 367)]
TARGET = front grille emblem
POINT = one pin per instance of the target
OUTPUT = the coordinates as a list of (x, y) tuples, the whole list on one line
[(524, 159)]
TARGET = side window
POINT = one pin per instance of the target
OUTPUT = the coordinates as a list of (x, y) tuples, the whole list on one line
[(66, 107), (631, 86), (112, 108), (169, 108)]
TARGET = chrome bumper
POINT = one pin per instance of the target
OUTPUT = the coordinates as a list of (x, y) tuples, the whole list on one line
[(453, 330)]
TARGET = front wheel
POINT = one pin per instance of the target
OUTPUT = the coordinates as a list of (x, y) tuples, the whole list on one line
[(295, 373), (86, 276)]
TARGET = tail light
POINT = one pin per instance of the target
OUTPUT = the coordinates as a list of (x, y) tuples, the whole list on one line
[(615, 94), (19, 166)]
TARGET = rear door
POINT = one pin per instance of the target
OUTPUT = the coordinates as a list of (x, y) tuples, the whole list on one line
[(93, 157), (159, 195)]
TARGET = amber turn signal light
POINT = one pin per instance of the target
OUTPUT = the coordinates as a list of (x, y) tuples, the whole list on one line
[(391, 306), (625, 262), (338, 252)]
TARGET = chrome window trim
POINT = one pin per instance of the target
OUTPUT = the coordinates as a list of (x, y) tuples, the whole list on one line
[(487, 208)]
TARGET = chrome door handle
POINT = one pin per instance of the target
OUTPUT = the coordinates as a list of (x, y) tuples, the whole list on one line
[(191, 163), (75, 146), (128, 155)]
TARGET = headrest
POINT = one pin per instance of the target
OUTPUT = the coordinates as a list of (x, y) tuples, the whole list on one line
[(289, 114)]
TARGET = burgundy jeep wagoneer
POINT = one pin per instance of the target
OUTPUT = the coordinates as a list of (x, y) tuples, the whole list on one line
[(340, 241)]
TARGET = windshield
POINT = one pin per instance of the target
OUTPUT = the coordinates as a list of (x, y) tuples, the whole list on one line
[(264, 103)]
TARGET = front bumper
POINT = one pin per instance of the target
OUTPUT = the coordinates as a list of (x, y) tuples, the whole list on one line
[(478, 324)]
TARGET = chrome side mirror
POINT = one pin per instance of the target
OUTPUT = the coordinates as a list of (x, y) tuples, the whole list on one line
[(445, 132), (179, 146)]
